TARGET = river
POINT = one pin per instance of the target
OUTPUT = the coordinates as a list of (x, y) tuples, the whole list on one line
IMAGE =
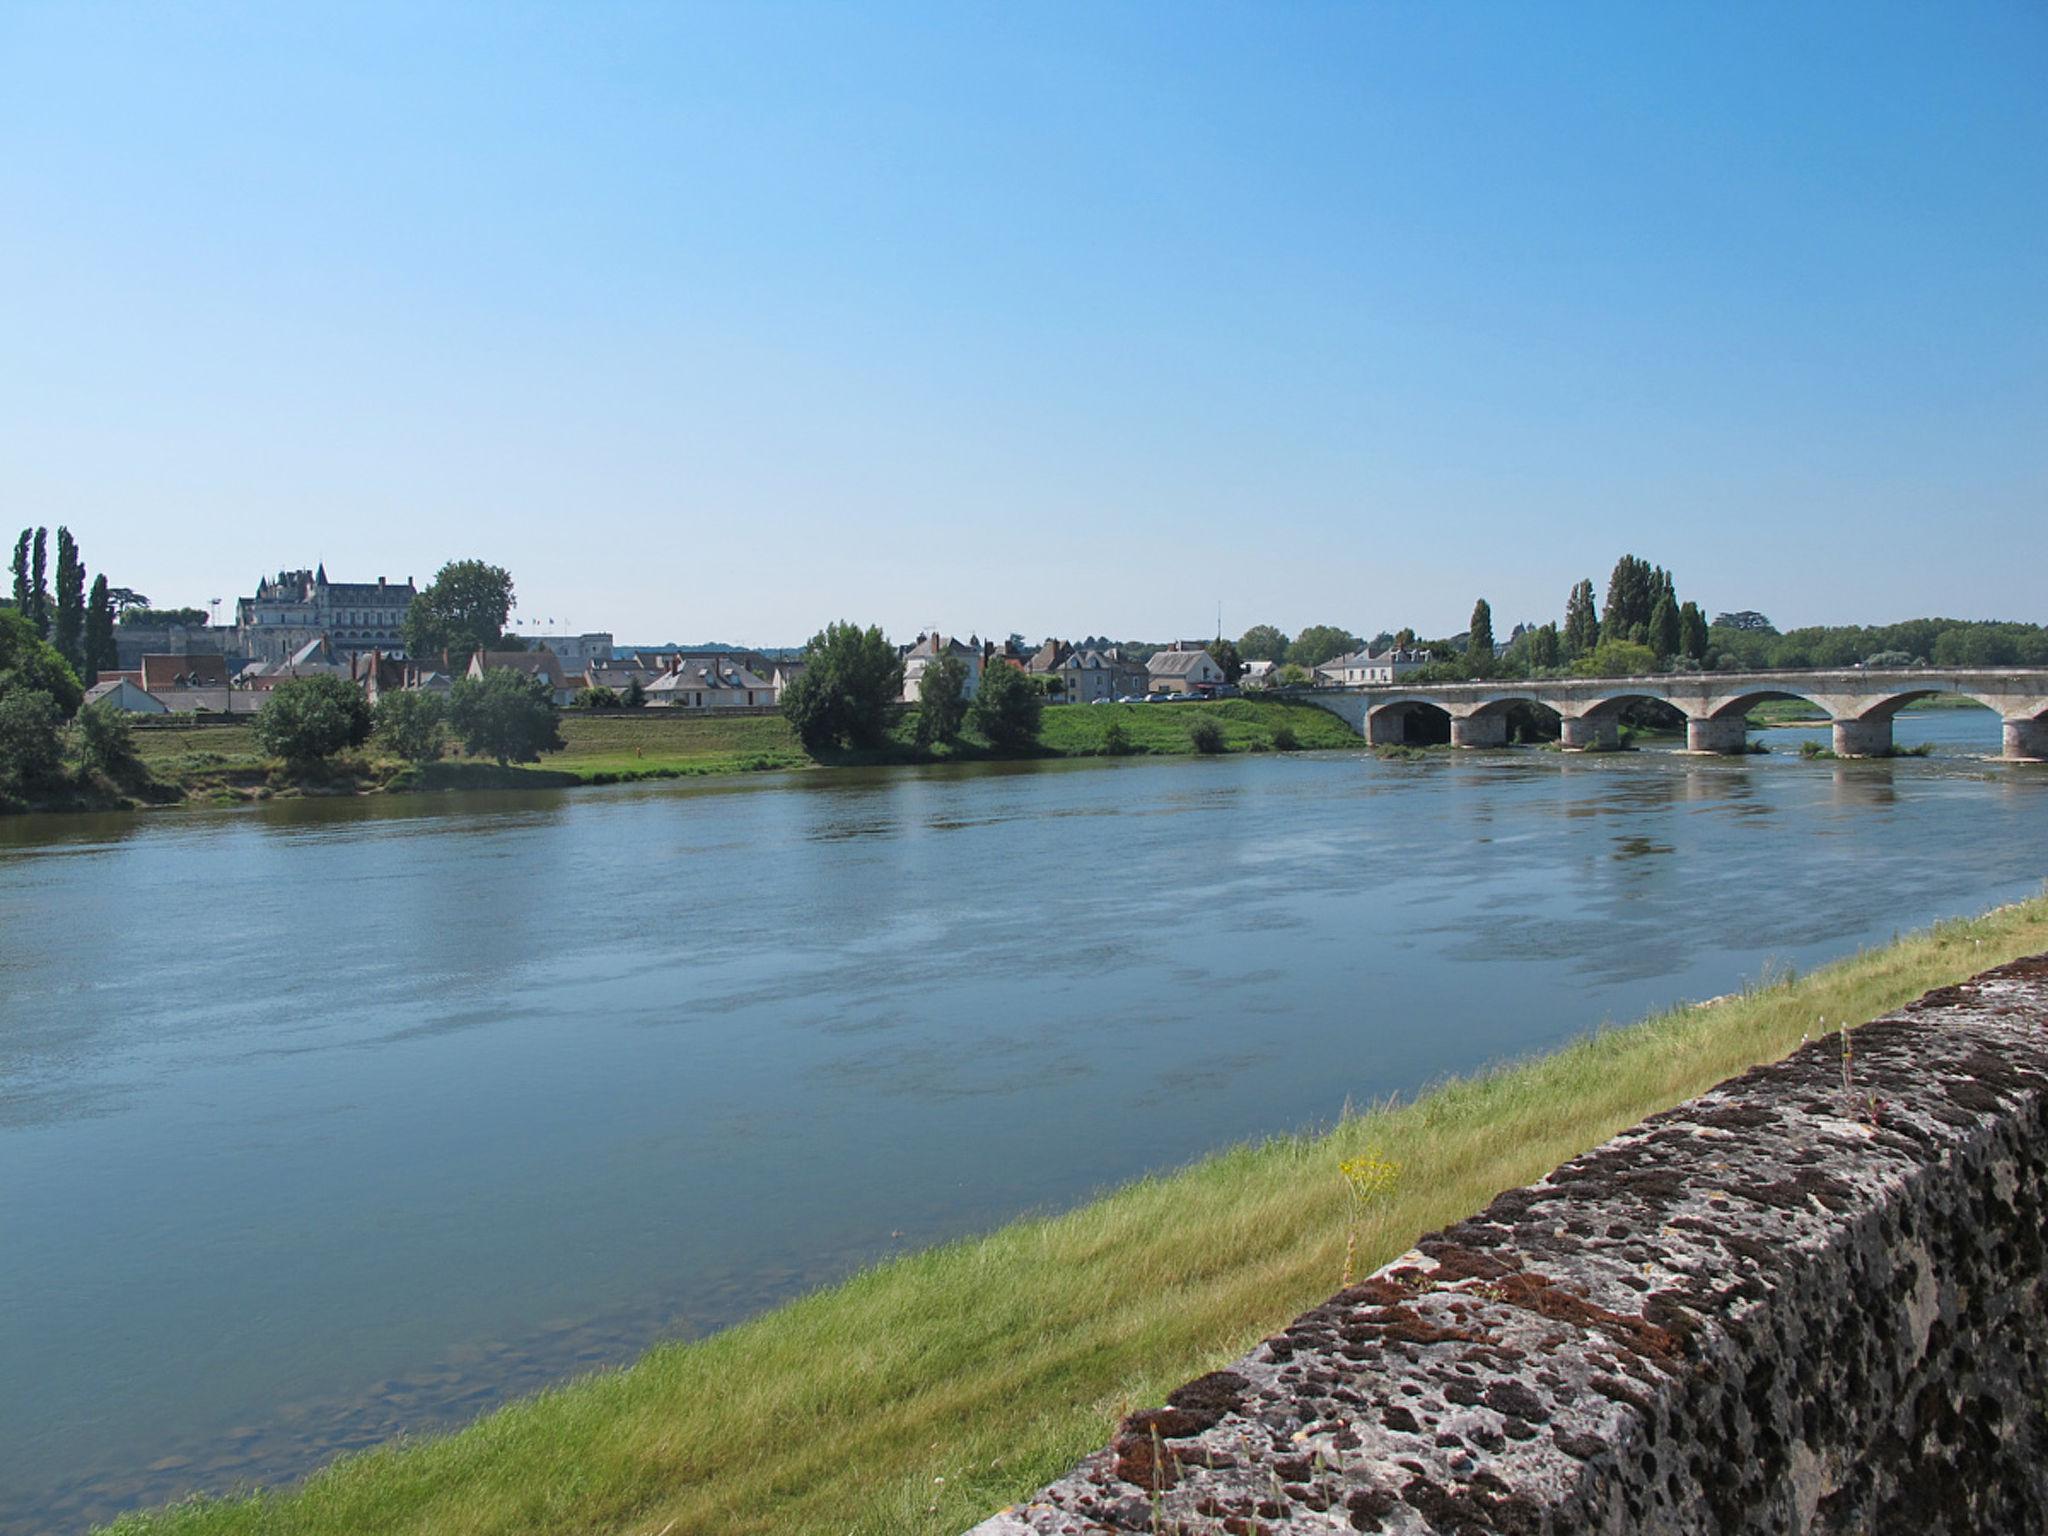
[(336, 1118)]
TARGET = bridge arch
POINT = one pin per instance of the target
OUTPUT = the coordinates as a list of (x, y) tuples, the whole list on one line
[(1412, 721), (1518, 716)]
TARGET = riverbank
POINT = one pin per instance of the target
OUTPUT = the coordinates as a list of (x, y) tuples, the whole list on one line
[(220, 764), (928, 1392)]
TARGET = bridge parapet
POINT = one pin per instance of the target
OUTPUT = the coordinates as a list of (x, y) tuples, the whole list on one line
[(1859, 702)]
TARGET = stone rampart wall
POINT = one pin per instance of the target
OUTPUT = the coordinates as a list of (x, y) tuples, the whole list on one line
[(1786, 1306)]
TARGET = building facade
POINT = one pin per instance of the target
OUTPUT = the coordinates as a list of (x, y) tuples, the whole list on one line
[(295, 607)]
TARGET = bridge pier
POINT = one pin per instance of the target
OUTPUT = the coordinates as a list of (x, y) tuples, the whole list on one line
[(1864, 738), (1728, 735), (2026, 739), (1487, 730), (1594, 733)]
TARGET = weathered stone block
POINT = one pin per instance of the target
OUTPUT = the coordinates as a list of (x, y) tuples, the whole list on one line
[(1786, 1306)]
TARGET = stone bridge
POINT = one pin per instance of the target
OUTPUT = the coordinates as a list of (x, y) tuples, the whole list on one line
[(1859, 702)]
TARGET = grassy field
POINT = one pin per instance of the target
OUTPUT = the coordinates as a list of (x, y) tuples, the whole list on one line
[(221, 762), (926, 1393)]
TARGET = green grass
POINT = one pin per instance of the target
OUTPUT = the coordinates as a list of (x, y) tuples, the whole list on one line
[(923, 1394), (220, 764)]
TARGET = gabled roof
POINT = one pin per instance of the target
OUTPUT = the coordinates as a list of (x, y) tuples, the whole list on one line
[(1178, 663), (538, 663), (932, 645), (184, 672)]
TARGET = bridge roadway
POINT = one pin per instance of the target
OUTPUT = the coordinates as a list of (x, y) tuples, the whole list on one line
[(1860, 704)]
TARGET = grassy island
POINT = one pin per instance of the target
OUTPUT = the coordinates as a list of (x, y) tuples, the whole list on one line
[(925, 1393)]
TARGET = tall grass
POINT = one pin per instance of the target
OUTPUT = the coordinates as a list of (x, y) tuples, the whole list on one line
[(921, 1395)]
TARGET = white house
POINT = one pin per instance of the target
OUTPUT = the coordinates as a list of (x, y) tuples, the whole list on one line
[(930, 648), (1362, 668), (709, 682)]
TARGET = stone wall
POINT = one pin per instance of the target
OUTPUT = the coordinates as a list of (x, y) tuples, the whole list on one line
[(1784, 1306)]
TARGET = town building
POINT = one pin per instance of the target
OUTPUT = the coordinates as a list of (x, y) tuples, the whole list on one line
[(710, 682), (124, 693), (1362, 668), (539, 662), (294, 607), (1087, 675), (1182, 670)]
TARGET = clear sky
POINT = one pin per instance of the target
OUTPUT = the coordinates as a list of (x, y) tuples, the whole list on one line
[(726, 320)]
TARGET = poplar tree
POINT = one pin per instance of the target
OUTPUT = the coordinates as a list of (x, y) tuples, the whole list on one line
[(21, 571), (1581, 623), (1692, 631), (1664, 629), (69, 630), (1479, 643), (101, 654), (37, 608)]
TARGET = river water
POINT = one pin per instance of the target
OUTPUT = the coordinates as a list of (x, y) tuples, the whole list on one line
[(332, 1119)]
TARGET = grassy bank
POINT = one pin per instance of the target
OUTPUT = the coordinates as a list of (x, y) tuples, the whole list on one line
[(221, 764), (925, 1393)]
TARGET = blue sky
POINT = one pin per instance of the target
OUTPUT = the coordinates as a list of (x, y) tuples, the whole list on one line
[(728, 320)]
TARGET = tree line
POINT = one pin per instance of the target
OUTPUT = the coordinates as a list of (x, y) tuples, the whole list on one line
[(1643, 626), (77, 623)]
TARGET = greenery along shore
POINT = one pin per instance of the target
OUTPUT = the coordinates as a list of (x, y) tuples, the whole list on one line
[(222, 764), (919, 1396)]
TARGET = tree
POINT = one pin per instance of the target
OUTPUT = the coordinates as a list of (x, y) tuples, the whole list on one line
[(1616, 658), (1262, 642), (1404, 638), (308, 719), (31, 753), (1543, 647), (1748, 619), (162, 618), (1632, 593), (126, 598), (1665, 633), (505, 715), (1290, 676), (1479, 639), (38, 606), (409, 723), (844, 694), (1226, 656), (1008, 707), (27, 661), (1692, 631), (461, 611), (942, 699), (1205, 736), (1318, 644), (21, 586), (598, 696), (68, 632), (105, 740), (635, 695), (101, 654), (1581, 623)]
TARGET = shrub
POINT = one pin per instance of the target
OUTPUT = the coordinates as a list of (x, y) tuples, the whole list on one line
[(31, 754), (1284, 739), (105, 740), (409, 724), (599, 696), (309, 719), (506, 716), (1116, 741), (1207, 736)]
